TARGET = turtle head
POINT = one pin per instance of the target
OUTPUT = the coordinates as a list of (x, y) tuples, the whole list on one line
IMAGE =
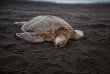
[(60, 41)]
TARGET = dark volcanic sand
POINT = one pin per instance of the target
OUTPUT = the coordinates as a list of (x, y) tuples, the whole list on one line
[(90, 55)]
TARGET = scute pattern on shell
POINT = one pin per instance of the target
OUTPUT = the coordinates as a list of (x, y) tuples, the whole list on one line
[(45, 23)]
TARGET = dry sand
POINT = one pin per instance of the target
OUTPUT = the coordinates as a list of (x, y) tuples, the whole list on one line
[(90, 55)]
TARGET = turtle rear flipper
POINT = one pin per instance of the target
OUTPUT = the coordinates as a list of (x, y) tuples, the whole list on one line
[(30, 36), (20, 23)]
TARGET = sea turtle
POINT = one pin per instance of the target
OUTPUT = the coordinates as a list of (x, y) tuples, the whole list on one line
[(48, 28)]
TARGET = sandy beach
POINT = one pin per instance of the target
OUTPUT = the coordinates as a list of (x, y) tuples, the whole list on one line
[(89, 55)]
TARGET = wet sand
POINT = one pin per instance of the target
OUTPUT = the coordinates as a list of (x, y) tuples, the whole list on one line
[(90, 55)]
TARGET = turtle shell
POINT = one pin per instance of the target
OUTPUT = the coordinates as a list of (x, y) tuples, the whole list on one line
[(46, 23)]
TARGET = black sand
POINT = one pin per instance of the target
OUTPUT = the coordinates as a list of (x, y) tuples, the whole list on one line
[(90, 55)]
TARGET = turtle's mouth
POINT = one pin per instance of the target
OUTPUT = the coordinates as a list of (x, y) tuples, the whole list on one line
[(57, 46)]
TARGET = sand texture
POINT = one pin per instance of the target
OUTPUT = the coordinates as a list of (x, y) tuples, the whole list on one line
[(90, 55)]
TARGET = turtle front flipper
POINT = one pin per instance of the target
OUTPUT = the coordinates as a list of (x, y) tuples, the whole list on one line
[(76, 34), (30, 36)]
